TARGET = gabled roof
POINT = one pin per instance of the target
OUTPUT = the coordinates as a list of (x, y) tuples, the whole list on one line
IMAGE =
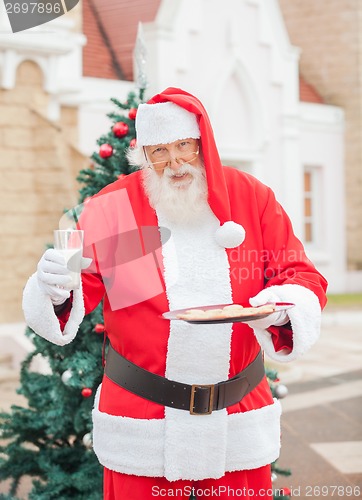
[(111, 29), (97, 57), (307, 93)]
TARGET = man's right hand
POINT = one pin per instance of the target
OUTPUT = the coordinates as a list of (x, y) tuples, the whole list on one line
[(53, 275)]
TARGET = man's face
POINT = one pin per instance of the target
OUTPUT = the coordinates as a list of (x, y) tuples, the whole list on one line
[(176, 182), (171, 158)]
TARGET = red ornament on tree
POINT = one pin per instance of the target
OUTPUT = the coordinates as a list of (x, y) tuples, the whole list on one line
[(285, 492), (99, 328), (133, 143), (86, 392), (132, 113), (120, 129), (105, 151), (120, 176)]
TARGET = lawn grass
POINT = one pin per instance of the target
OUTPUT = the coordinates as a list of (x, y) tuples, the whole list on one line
[(345, 300)]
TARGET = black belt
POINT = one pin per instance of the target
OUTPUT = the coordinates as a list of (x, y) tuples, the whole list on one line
[(198, 399)]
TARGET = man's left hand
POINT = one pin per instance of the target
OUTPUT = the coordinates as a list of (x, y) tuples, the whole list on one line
[(277, 318)]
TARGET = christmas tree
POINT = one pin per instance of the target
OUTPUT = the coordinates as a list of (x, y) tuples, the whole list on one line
[(51, 438), (279, 391)]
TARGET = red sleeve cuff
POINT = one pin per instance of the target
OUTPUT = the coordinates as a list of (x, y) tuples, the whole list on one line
[(63, 312), (282, 337)]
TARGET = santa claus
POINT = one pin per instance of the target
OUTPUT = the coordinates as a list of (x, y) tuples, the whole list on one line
[(183, 405)]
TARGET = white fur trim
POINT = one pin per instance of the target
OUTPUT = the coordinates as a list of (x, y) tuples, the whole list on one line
[(205, 439), (196, 353), (230, 234), (163, 123), (136, 446), (305, 319), (128, 445), (40, 316), (253, 438)]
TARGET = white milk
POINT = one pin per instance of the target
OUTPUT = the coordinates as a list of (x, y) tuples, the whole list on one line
[(73, 257)]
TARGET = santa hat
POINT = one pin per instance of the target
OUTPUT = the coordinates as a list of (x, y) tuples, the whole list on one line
[(173, 115), (164, 123)]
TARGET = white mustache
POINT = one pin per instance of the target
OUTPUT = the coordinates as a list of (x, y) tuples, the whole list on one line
[(184, 169)]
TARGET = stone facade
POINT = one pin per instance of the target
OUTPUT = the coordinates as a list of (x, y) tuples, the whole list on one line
[(330, 35), (38, 168)]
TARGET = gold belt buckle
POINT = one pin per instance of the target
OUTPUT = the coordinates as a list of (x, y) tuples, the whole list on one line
[(211, 398)]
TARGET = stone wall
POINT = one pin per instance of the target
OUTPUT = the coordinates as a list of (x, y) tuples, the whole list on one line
[(38, 167), (330, 35)]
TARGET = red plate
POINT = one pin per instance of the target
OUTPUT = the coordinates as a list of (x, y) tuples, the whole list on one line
[(172, 315)]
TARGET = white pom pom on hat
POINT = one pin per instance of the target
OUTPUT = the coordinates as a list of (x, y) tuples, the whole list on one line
[(173, 115), (230, 234)]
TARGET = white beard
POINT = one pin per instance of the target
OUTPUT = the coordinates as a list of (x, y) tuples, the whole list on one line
[(183, 201)]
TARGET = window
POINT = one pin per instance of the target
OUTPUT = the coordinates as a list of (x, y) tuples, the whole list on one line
[(312, 206)]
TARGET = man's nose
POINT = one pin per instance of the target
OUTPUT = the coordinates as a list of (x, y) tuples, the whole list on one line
[(174, 163)]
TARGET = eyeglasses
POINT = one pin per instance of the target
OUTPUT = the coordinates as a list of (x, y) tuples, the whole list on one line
[(185, 157)]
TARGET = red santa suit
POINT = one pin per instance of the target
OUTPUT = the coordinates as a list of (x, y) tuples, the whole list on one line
[(242, 246)]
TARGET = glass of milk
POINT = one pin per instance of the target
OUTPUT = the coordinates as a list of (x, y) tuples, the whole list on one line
[(69, 242)]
